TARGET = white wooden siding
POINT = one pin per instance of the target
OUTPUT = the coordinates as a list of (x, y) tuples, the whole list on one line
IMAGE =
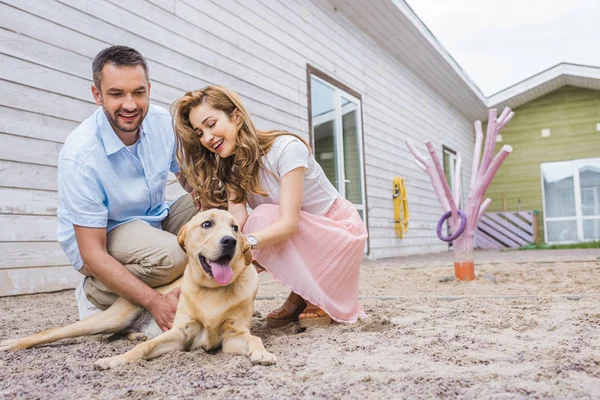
[(258, 48)]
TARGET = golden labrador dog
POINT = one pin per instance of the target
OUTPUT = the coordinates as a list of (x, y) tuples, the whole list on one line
[(215, 307)]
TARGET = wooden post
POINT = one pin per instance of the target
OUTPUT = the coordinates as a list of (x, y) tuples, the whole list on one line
[(535, 227)]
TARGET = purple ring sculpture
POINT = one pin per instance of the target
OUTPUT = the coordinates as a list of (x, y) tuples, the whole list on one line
[(463, 223)]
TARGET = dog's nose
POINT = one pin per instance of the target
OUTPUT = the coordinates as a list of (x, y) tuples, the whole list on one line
[(228, 243)]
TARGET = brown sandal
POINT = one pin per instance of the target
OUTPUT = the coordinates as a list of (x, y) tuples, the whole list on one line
[(312, 316), (286, 314)]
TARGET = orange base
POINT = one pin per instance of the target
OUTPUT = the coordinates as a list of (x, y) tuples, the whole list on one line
[(464, 271)]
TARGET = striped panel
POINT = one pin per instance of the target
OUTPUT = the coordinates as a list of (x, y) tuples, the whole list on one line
[(505, 230)]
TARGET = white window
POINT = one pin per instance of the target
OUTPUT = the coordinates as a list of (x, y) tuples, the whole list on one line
[(571, 195), (337, 139)]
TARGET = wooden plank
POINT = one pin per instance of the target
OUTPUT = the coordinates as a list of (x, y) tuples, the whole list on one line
[(485, 241), (43, 102), (27, 176), (62, 56), (526, 215), (29, 202), (168, 5), (37, 126), (497, 232), (24, 149), (36, 280), (28, 228), (526, 235), (515, 220), (31, 255), (30, 74)]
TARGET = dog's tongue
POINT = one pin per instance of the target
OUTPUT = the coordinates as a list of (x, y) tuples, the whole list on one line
[(221, 272)]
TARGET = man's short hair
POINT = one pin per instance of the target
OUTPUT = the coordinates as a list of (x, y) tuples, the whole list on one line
[(119, 56)]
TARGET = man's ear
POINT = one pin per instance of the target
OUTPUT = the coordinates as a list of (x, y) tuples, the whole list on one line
[(181, 237), (97, 94)]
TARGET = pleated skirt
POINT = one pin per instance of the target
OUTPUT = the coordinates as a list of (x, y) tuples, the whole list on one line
[(321, 262)]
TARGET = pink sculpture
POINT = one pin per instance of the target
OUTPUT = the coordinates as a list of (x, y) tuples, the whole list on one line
[(463, 225)]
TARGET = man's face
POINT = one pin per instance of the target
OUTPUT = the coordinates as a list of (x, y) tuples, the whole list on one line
[(124, 95)]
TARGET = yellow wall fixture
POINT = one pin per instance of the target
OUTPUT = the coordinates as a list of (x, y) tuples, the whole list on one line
[(401, 214)]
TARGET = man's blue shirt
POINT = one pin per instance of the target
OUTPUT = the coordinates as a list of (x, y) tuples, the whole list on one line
[(102, 185)]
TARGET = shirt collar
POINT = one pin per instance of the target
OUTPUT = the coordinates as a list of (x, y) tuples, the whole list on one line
[(111, 141)]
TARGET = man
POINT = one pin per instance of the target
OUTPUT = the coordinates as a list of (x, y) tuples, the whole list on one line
[(114, 224)]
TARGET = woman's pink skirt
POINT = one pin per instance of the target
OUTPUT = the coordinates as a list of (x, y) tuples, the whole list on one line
[(321, 262)]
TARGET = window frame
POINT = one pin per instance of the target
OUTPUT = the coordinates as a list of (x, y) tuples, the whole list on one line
[(579, 218)]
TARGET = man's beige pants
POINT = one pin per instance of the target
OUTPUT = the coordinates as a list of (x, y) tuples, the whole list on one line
[(151, 254)]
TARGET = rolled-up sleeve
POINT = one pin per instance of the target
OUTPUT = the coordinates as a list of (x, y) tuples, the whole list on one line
[(82, 198)]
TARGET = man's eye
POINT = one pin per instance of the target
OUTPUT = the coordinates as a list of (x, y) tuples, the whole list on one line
[(206, 224), (235, 228)]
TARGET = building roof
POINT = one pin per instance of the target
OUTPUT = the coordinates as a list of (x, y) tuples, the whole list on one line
[(563, 74), (395, 26)]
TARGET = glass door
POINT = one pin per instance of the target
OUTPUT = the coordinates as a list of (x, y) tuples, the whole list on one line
[(337, 139)]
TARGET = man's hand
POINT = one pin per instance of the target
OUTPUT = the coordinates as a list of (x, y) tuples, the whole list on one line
[(163, 308)]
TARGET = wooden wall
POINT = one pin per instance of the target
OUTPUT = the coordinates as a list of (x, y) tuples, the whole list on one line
[(259, 48)]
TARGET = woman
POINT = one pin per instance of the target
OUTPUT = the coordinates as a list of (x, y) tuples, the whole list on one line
[(302, 232)]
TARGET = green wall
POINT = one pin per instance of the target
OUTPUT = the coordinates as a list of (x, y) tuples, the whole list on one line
[(571, 114)]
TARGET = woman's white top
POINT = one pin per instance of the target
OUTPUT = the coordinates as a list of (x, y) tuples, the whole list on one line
[(288, 153)]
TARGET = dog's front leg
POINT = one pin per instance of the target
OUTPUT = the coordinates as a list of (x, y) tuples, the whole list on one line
[(177, 338), (248, 345)]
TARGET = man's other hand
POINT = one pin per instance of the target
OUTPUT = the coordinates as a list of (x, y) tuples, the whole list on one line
[(163, 308)]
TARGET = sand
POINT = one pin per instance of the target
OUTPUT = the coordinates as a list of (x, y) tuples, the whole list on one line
[(526, 330)]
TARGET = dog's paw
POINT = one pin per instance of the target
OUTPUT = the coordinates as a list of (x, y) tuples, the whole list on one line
[(12, 345), (136, 336), (110, 362), (262, 357)]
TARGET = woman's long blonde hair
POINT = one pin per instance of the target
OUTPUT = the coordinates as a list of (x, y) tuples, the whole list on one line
[(216, 179)]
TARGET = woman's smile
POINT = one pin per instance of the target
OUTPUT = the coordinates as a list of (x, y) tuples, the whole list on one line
[(219, 145)]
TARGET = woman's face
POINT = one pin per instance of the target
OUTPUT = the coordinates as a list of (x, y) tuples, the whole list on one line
[(216, 131)]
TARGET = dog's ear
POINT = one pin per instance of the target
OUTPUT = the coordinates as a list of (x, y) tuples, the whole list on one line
[(181, 237), (246, 250)]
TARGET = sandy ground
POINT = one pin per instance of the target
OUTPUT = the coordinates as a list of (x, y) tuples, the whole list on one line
[(525, 328)]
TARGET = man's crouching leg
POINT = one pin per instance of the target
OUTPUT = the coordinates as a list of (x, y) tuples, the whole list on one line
[(151, 254)]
